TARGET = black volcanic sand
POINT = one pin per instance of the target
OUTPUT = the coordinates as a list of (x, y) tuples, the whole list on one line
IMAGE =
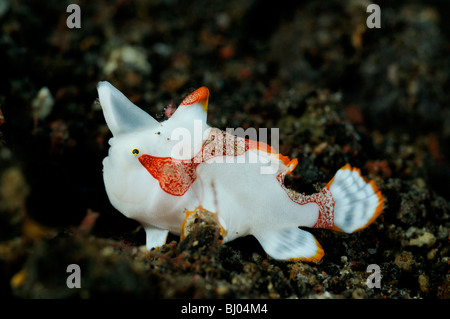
[(338, 92)]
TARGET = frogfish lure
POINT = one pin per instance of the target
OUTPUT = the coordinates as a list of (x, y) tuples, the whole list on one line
[(160, 173)]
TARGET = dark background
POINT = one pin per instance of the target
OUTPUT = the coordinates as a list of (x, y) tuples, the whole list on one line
[(267, 65)]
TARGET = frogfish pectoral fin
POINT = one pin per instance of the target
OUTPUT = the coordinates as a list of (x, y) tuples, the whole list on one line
[(290, 244), (155, 237)]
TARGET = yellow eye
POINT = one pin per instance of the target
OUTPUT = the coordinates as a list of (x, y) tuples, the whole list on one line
[(135, 151)]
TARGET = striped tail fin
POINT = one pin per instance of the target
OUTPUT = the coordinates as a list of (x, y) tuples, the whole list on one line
[(357, 201)]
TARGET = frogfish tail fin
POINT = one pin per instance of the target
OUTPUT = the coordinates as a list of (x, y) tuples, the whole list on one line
[(357, 201)]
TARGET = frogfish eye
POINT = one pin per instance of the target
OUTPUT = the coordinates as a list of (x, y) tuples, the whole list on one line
[(135, 151)]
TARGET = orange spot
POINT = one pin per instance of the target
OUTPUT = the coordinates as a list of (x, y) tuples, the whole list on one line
[(88, 222), (2, 118), (18, 279), (175, 176), (354, 114), (346, 148), (433, 146), (200, 96), (377, 167), (227, 51)]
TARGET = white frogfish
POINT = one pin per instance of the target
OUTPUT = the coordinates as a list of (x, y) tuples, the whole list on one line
[(159, 173)]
